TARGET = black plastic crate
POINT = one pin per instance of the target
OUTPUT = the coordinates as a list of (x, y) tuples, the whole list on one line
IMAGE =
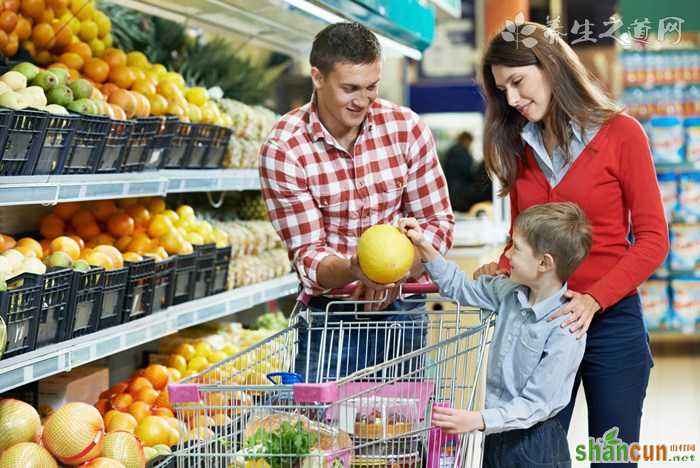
[(221, 266), (55, 306), (19, 309), (202, 136), (25, 135), (115, 146), (175, 156), (184, 278), (142, 134), (57, 143), (86, 303), (217, 150), (113, 297), (88, 143), (164, 284), (154, 154), (204, 268), (138, 301)]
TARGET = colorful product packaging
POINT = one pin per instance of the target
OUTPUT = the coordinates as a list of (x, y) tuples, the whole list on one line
[(656, 303), (686, 303), (666, 137), (692, 140), (668, 183), (689, 197), (685, 248)]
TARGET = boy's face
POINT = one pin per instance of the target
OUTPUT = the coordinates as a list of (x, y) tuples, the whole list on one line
[(525, 265)]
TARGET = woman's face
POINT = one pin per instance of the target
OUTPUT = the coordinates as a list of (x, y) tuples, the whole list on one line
[(525, 88)]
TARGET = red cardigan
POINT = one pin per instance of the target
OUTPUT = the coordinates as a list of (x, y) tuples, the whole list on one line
[(614, 182)]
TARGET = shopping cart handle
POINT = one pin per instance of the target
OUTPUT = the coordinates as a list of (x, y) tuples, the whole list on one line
[(406, 288)]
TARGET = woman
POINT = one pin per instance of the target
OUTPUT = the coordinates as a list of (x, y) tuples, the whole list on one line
[(552, 135)]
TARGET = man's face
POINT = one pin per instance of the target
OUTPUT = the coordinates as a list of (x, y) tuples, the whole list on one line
[(346, 92)]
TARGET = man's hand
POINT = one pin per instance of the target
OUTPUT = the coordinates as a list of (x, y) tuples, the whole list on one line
[(455, 421), (368, 290)]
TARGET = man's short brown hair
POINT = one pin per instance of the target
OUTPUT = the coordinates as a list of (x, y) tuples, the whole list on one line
[(344, 43), (560, 230)]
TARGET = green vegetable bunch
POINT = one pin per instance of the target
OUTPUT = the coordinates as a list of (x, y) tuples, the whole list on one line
[(286, 445)]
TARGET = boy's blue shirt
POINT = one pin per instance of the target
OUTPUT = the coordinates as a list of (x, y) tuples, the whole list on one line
[(532, 362)]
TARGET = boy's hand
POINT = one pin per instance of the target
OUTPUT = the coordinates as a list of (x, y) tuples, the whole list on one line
[(413, 231), (455, 421)]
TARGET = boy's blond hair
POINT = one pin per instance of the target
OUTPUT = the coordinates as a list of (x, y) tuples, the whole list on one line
[(559, 229)]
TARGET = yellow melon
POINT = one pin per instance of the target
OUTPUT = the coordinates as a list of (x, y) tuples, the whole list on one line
[(385, 254)]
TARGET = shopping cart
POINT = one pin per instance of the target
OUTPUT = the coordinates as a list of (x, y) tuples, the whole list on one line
[(253, 410)]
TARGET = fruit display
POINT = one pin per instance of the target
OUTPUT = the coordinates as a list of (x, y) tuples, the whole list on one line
[(250, 124)]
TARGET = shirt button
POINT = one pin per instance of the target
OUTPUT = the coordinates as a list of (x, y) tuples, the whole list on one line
[(360, 184), (510, 337)]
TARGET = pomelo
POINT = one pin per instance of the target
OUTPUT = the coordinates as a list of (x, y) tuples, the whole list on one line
[(125, 448), (27, 455), (19, 422), (102, 462), (74, 433), (385, 253)]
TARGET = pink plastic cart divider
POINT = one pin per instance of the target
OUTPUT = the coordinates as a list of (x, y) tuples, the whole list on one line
[(184, 393)]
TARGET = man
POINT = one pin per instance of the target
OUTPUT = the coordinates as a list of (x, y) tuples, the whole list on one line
[(338, 165)]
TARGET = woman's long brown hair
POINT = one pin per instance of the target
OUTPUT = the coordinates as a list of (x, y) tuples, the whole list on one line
[(575, 96)]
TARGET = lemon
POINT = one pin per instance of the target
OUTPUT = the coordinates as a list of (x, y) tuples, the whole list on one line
[(137, 59), (197, 95), (203, 349), (198, 364)]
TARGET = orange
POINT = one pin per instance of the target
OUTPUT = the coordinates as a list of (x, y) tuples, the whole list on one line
[(72, 60), (123, 243), (139, 382), (123, 99), (81, 49), (146, 395), (60, 65), (157, 374), (187, 351), (66, 210), (174, 375), (8, 20), (103, 406), (140, 409), (121, 401), (171, 242), (12, 45), (23, 28), (164, 413), (88, 230), (103, 239), (32, 8), (103, 209), (114, 254), (12, 5), (74, 74), (43, 36), (139, 244), (44, 57), (114, 57), (122, 76), (159, 105), (51, 226), (83, 215), (132, 257), (107, 89), (153, 430), (143, 105), (63, 35), (140, 214), (67, 245), (96, 69), (30, 245), (47, 16), (120, 224), (3, 38), (159, 226), (156, 205)]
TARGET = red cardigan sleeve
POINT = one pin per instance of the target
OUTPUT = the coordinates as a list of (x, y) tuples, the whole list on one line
[(642, 195)]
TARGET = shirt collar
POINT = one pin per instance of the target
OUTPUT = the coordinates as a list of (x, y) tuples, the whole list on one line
[(532, 133), (318, 131), (544, 307)]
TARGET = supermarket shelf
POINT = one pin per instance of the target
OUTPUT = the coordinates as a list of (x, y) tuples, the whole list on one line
[(65, 356), (211, 180), (23, 190)]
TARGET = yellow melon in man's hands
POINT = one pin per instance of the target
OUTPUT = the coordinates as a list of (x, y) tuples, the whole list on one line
[(385, 254)]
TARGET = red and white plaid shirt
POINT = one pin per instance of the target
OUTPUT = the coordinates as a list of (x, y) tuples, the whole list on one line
[(320, 198)]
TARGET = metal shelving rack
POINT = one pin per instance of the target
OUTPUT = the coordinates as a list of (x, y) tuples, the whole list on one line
[(64, 356)]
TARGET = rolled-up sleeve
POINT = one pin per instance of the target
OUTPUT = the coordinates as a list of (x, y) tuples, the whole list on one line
[(293, 212), (426, 197), (548, 389)]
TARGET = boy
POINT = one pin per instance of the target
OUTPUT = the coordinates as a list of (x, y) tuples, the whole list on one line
[(533, 360)]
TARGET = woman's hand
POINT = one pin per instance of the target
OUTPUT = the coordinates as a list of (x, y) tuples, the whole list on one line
[(581, 308), (490, 269)]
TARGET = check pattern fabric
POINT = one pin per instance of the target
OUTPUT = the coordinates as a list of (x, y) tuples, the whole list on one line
[(321, 198)]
